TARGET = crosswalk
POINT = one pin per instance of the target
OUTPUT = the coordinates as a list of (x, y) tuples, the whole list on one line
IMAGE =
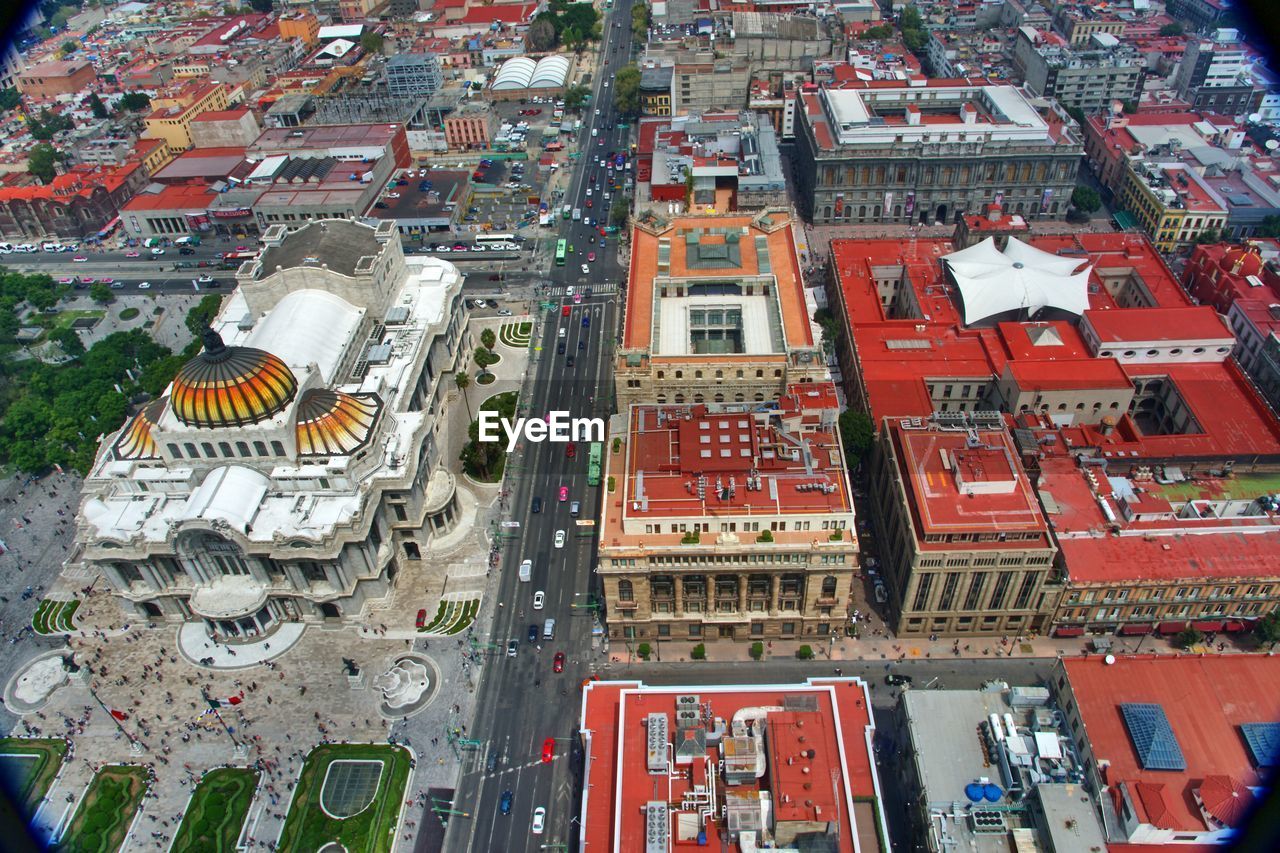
[(596, 289)]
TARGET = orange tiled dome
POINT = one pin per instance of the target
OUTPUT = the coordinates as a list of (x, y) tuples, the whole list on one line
[(136, 441), (331, 423), (231, 386)]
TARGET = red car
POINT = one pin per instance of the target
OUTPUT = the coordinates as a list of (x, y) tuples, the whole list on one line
[(557, 663), (570, 450), (422, 619), (548, 750), (564, 494), (588, 203)]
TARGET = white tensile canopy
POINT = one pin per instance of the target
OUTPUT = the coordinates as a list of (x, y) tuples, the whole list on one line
[(1021, 277)]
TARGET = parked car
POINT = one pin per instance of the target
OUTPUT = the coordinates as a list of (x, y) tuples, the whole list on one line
[(895, 678), (557, 663), (421, 621)]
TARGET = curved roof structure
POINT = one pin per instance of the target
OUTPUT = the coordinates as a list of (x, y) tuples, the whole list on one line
[(1021, 278), (331, 423), (136, 440), (521, 72), (1226, 798), (309, 327), (231, 386)]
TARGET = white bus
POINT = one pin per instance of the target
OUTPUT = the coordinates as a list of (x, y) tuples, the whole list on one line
[(490, 239)]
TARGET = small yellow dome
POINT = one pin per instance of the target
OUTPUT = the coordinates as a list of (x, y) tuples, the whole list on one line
[(231, 386)]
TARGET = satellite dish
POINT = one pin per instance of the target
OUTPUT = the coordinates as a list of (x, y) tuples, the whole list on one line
[(1110, 659), (1255, 117), (1273, 144)]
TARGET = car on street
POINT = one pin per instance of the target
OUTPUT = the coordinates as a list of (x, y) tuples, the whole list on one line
[(539, 820), (67, 279), (588, 192), (513, 649), (577, 297), (79, 259), (590, 204), (536, 505), (568, 362), (88, 279), (564, 494), (504, 805), (591, 257), (586, 270), (895, 678), (115, 285), (564, 310), (557, 663), (144, 285), (560, 348), (205, 279), (538, 598), (559, 538), (491, 763), (134, 254), (570, 450), (533, 633), (157, 252), (548, 750)]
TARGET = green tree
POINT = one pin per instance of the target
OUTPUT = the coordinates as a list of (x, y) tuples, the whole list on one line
[(1174, 29), (575, 97), (199, 317), (805, 652), (857, 433), (643, 650), (765, 536), (40, 162), (69, 46), (641, 17), (1086, 199), (757, 650), (47, 124), (134, 101), (61, 15), (1130, 107), (698, 652), (883, 31), (1267, 629), (260, 6), (626, 91), (488, 339), (69, 340), (372, 42), (1187, 638), (911, 25), (98, 108), (620, 210), (1077, 114), (463, 381), (101, 294), (9, 98), (1209, 235), (542, 34)]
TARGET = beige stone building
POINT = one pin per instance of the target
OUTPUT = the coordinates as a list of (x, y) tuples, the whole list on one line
[(728, 522), (964, 544), (715, 312)]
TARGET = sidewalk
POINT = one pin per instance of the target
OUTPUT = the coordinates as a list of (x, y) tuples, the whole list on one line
[(919, 648)]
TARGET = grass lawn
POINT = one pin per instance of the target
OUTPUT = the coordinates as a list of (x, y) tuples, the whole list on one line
[(31, 778), (307, 828), (217, 811), (104, 815), (1239, 487), (66, 318), (54, 617)]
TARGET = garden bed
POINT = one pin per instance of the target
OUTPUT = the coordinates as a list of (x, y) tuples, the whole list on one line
[(102, 820), (308, 827), (215, 816), (28, 767)]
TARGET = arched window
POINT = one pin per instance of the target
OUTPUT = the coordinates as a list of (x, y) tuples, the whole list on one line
[(625, 591), (829, 586)]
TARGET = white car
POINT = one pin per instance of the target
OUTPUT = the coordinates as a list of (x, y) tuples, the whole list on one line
[(539, 820), (586, 270), (144, 285), (606, 84), (559, 538), (157, 252), (568, 291), (538, 598), (205, 279), (588, 192)]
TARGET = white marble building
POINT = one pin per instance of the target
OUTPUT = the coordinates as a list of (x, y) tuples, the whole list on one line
[(292, 466)]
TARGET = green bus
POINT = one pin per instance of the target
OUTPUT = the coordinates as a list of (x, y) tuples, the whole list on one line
[(562, 246), (593, 463)]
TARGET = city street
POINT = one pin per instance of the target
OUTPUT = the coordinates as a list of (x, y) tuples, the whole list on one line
[(521, 701)]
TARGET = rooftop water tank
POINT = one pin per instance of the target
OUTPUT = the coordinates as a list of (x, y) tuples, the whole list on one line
[(992, 793)]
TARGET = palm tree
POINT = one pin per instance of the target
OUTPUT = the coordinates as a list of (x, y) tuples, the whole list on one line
[(462, 380)]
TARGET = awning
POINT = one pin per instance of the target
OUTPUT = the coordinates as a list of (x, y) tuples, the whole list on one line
[(1069, 631), (1235, 626), (1135, 630), (1172, 627), (1124, 220), (1208, 626)]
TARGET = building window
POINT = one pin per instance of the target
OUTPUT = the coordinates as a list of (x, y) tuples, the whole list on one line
[(411, 551), (626, 592)]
